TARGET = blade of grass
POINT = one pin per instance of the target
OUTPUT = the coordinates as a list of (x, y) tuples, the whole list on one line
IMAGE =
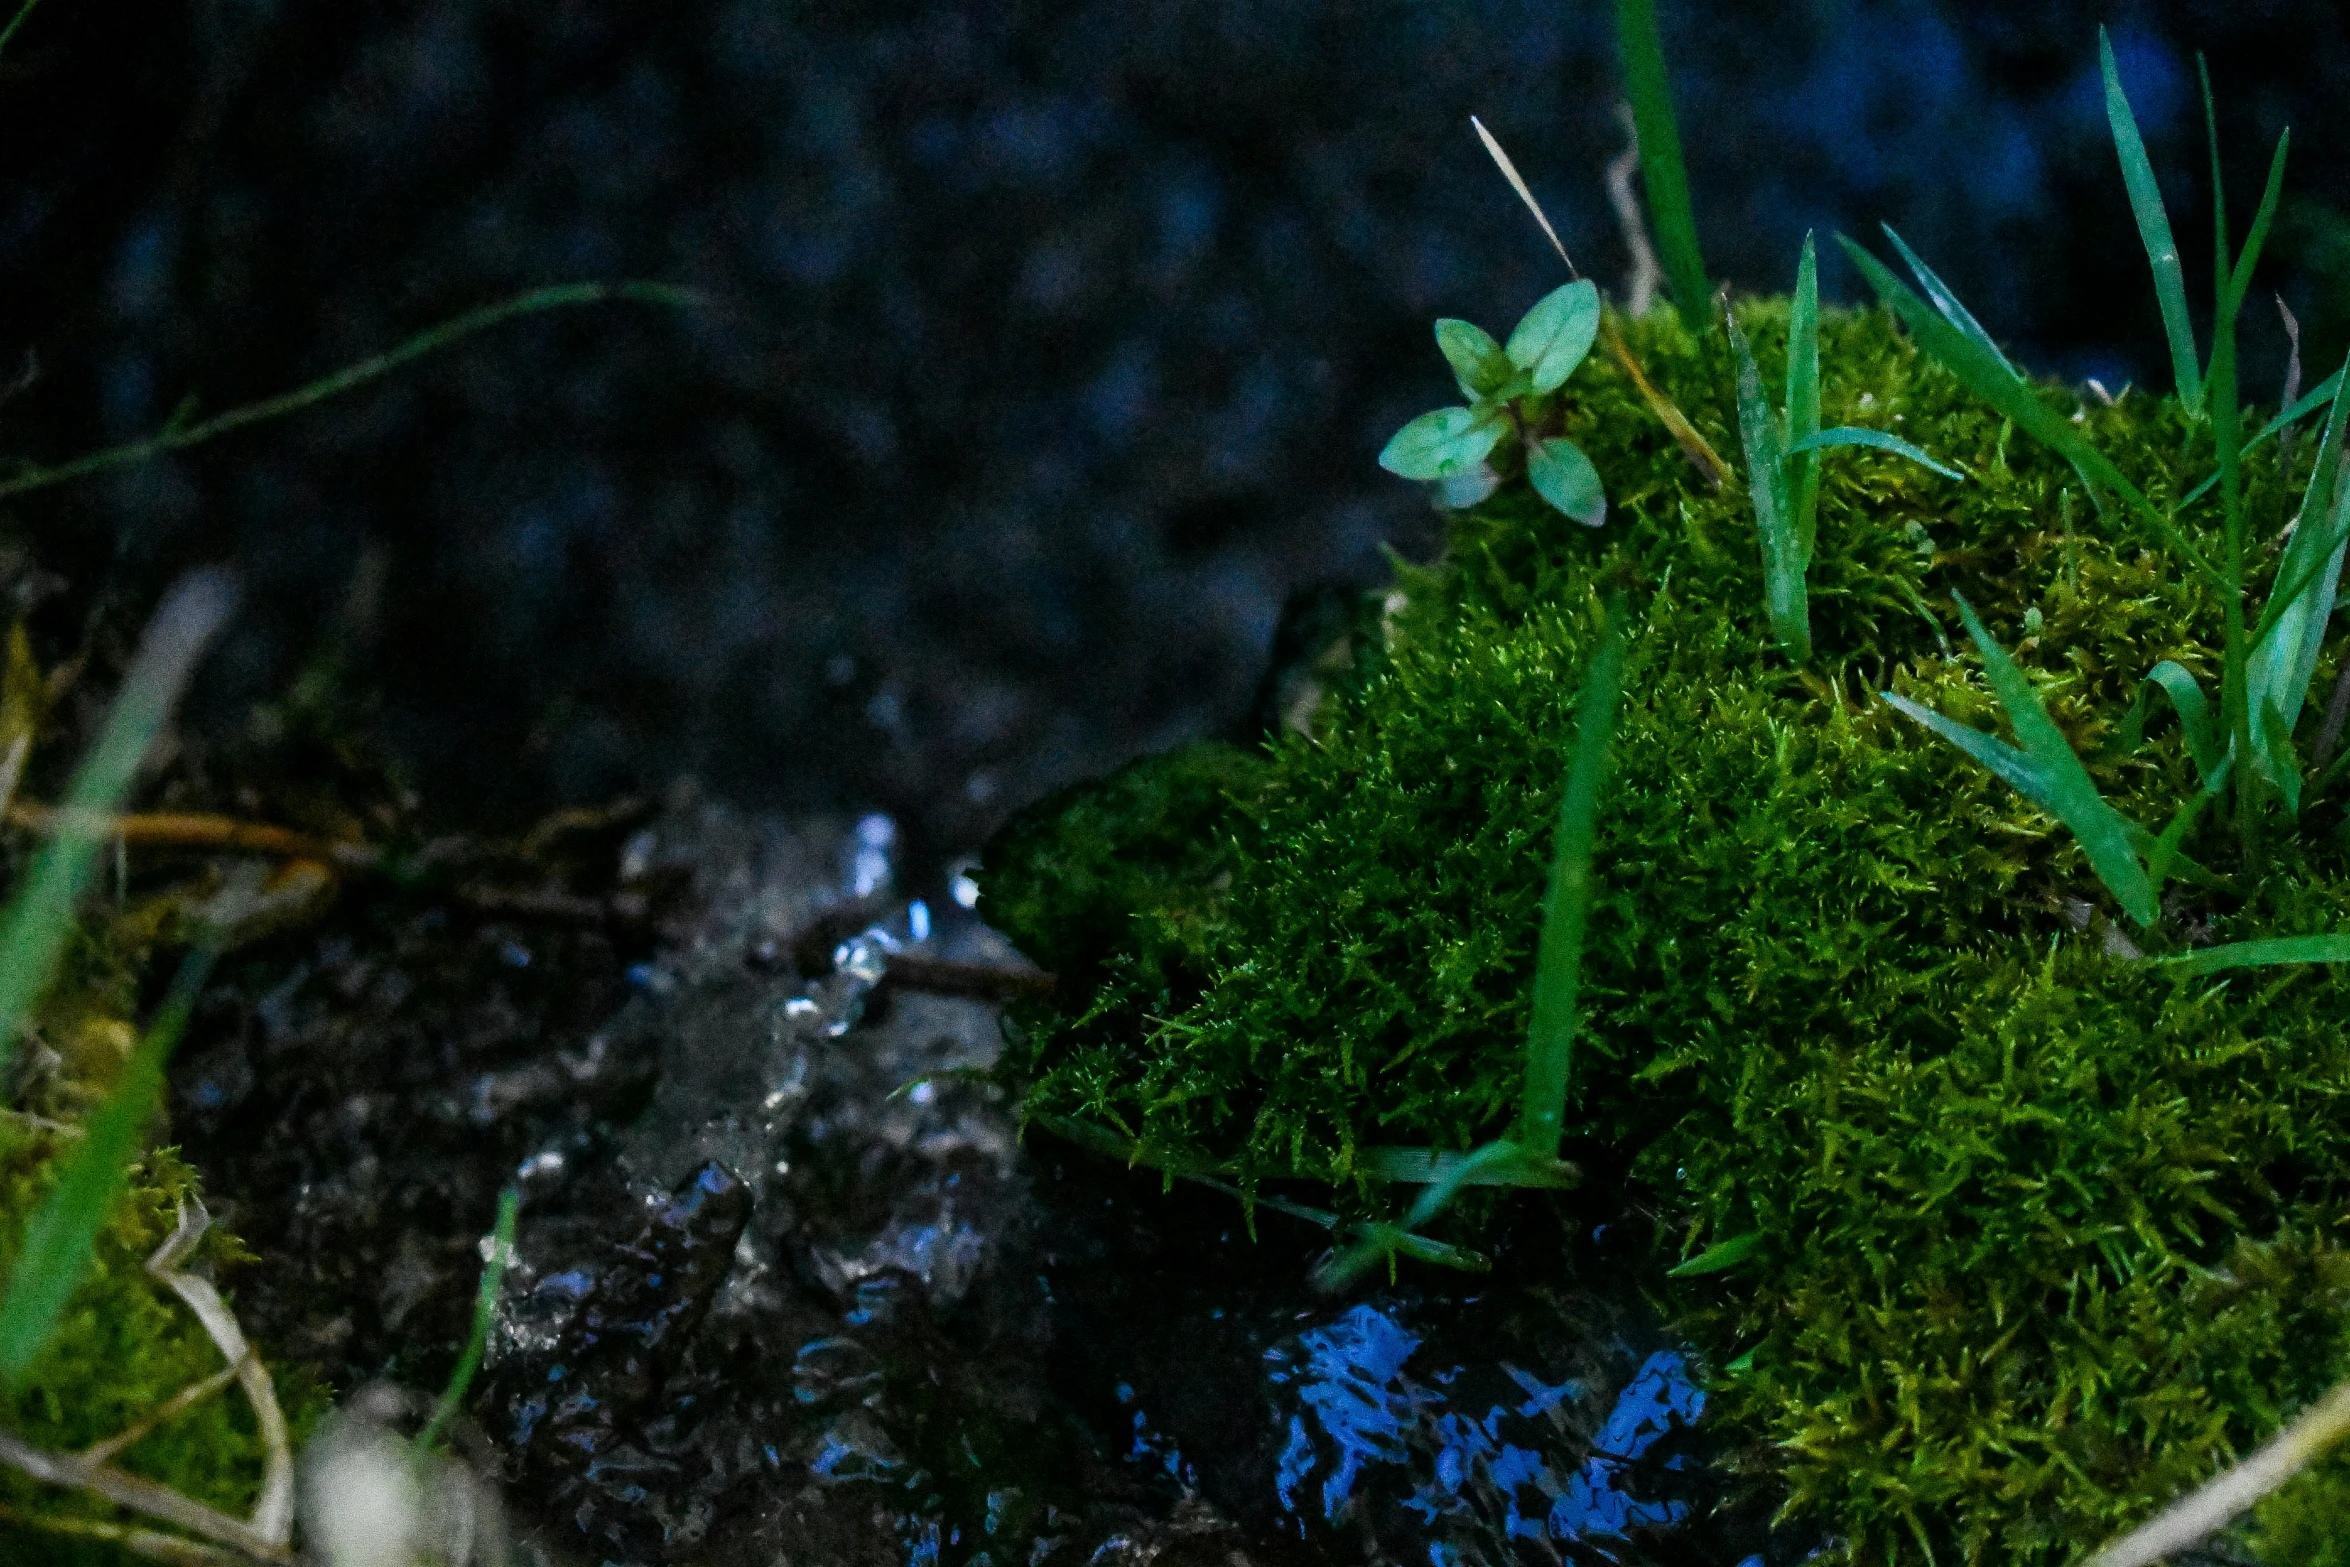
[(2154, 230), (1718, 1257), (1881, 440), (1433, 1166), (1566, 904), (1957, 314), (1803, 399), (1661, 167), (2240, 280), (2268, 953), (64, 1229), (2220, 404), (2046, 771), (2206, 742), (39, 918), (1785, 601), (2308, 403), (176, 437), (1981, 373), (485, 1312), (8, 33)]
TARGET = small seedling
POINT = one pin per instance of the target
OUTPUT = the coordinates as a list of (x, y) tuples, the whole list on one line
[(1513, 408), (1783, 459)]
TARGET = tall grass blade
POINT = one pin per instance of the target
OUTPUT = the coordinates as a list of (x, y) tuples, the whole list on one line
[(2263, 954), (64, 1229), (39, 917), (2292, 628), (174, 437), (2240, 279), (485, 1312), (2045, 770), (1957, 314), (2302, 407), (2154, 231), (1661, 167), (1566, 904), (1880, 440), (1803, 399), (1982, 373), (1785, 600)]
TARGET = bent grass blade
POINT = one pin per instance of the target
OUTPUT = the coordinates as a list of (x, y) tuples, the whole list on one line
[(2045, 770)]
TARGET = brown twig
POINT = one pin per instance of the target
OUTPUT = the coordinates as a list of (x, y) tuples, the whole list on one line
[(1694, 446), (195, 830)]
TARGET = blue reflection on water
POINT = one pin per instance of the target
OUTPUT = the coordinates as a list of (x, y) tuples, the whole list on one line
[(1475, 1471)]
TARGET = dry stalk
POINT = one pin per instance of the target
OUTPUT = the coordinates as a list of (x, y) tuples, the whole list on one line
[(265, 1536), (2233, 1491)]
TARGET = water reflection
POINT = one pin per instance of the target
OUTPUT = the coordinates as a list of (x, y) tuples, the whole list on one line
[(1481, 1462)]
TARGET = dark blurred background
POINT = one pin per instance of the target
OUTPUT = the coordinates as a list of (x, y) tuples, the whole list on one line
[(1047, 346)]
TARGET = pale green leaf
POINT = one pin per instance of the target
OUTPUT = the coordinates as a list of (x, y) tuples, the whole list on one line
[(1477, 361), (1553, 337), (1880, 440), (1444, 444), (1562, 475)]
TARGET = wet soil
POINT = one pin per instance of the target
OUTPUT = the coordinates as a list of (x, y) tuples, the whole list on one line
[(792, 1289)]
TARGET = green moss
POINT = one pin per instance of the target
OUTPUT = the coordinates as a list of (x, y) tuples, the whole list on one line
[(125, 1345), (2047, 1234)]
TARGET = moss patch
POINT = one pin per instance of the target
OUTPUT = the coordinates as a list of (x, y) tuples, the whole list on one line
[(2046, 1233)]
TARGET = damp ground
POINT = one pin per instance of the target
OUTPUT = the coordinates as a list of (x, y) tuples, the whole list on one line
[(793, 1289)]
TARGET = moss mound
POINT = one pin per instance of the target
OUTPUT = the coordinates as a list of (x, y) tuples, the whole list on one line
[(2044, 1233)]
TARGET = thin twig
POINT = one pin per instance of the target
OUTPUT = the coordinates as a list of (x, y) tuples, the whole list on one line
[(153, 1544), (273, 1513), (194, 830), (1694, 446), (1647, 277), (175, 437), (2292, 379), (2235, 1490)]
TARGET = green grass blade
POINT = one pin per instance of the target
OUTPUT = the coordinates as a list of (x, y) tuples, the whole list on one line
[(1661, 167), (1803, 399), (8, 33), (1566, 904), (2154, 230), (2249, 257), (2004, 761), (1954, 312), (1881, 440), (2162, 856), (1434, 1166), (2073, 798), (2207, 741), (1719, 1256), (1785, 600), (485, 1311), (1982, 373), (2262, 954), (33, 931), (2308, 403), (64, 1229), (176, 437)]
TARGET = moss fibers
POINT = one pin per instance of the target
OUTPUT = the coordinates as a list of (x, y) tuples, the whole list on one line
[(2047, 1233), (125, 1345)]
